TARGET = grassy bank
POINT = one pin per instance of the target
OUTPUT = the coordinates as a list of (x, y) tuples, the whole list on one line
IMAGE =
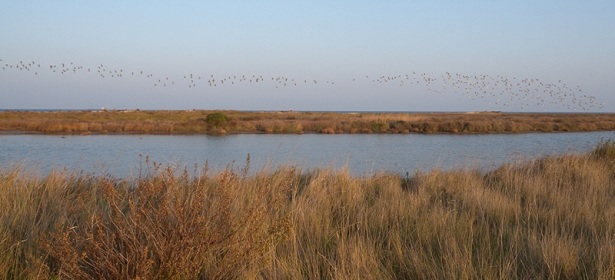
[(549, 218), (220, 122)]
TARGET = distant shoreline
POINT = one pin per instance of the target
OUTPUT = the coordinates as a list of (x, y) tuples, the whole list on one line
[(291, 111), (220, 122)]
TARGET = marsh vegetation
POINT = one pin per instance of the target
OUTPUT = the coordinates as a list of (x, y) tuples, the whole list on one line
[(546, 218), (292, 122)]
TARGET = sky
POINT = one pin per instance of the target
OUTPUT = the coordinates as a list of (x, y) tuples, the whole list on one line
[(514, 56)]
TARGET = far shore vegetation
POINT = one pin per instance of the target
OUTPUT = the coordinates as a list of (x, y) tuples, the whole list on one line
[(544, 218), (295, 122)]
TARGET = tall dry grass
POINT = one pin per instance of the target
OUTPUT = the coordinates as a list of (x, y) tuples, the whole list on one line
[(161, 226), (547, 218)]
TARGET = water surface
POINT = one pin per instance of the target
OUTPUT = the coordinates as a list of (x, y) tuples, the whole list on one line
[(122, 155)]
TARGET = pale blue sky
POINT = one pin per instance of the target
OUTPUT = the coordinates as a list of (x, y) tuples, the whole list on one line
[(343, 55)]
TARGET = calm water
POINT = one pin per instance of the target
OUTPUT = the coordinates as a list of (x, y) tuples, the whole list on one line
[(122, 155)]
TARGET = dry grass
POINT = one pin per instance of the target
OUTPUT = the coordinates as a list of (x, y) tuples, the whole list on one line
[(548, 218), (290, 122)]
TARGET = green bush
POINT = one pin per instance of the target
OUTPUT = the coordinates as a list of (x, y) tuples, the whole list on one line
[(216, 119)]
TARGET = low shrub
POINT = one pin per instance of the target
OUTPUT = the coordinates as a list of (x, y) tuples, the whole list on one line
[(216, 119)]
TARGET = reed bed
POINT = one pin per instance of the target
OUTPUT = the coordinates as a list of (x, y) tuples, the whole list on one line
[(291, 122), (546, 218)]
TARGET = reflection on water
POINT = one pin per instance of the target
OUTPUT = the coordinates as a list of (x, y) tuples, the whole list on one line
[(121, 155)]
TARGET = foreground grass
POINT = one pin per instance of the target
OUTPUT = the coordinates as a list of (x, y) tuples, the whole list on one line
[(549, 218), (290, 122)]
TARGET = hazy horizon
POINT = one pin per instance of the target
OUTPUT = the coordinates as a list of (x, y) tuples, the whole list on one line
[(433, 56)]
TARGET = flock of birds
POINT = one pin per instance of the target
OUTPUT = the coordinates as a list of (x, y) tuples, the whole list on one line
[(497, 90), (501, 90)]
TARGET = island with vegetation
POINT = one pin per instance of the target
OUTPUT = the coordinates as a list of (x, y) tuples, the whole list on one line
[(294, 122)]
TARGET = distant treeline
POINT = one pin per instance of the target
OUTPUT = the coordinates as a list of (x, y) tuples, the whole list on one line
[(292, 122)]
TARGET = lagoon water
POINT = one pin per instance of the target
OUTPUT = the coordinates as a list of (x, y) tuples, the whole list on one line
[(124, 155)]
